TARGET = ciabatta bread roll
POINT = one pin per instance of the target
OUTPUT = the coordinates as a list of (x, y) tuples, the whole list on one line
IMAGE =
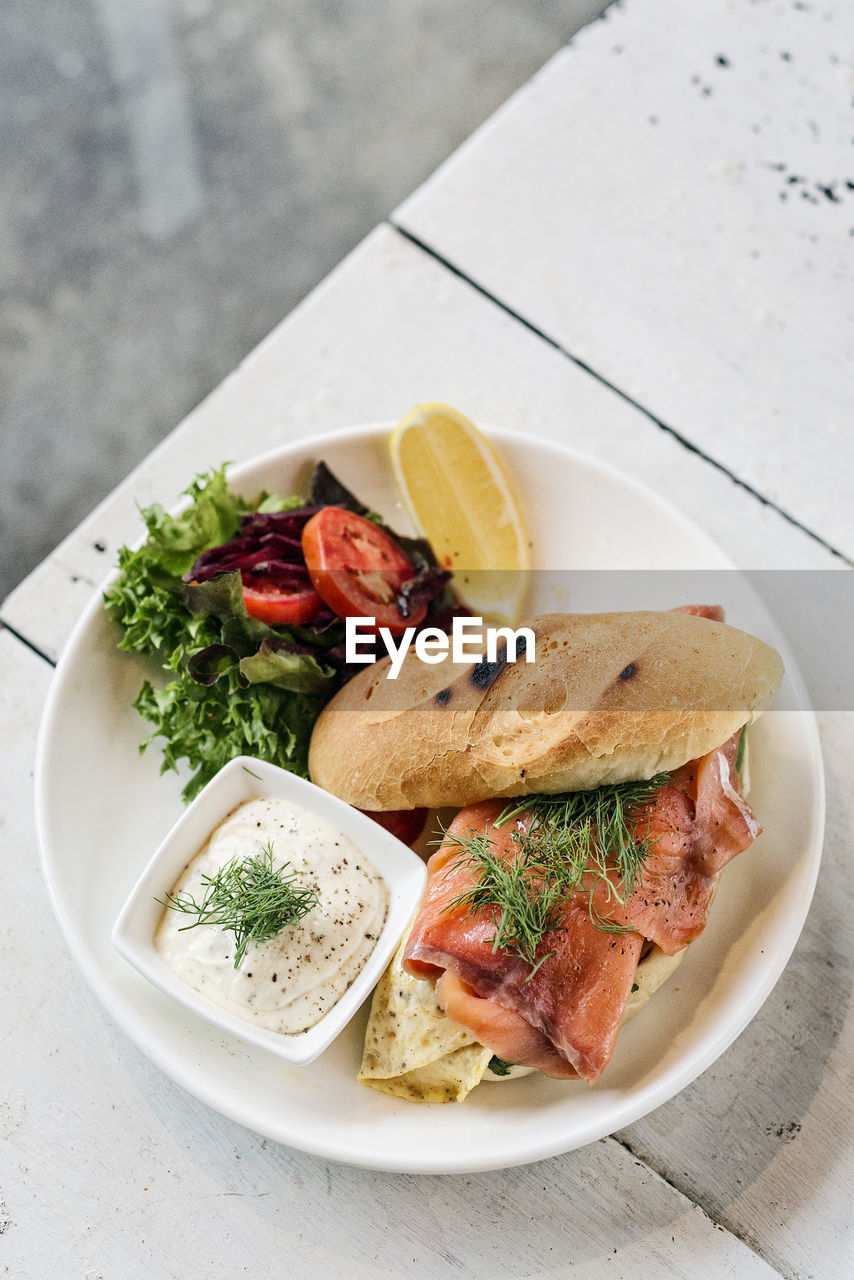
[(610, 698)]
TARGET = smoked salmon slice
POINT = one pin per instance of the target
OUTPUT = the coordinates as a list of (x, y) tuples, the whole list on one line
[(564, 1017), (502, 1030), (578, 993), (697, 824), (712, 611), (726, 824)]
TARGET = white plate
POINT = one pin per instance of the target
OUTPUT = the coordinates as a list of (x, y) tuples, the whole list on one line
[(102, 810)]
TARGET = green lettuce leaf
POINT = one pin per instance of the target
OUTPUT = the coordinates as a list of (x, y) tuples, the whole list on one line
[(298, 672), (267, 655), (205, 666), (208, 725), (146, 600), (499, 1067), (222, 598)]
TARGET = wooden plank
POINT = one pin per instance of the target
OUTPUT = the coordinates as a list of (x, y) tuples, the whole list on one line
[(388, 329), (672, 201), (148, 1159), (764, 1139)]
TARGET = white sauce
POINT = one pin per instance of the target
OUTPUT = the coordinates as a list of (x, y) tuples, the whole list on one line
[(290, 981)]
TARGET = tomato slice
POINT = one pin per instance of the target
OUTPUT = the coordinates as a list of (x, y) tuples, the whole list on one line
[(406, 824), (357, 568), (272, 602)]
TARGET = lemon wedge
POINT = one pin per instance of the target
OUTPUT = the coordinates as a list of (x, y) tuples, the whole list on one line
[(460, 498)]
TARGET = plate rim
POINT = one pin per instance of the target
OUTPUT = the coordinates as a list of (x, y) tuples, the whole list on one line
[(638, 1102)]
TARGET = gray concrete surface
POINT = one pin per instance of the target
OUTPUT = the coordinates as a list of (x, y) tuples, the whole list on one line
[(176, 174)]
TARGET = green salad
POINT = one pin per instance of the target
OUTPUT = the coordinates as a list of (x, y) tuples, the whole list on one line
[(252, 680)]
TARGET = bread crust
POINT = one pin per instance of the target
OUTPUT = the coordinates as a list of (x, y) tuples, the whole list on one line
[(610, 698)]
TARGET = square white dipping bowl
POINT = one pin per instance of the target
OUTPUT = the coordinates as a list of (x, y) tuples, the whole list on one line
[(247, 779)]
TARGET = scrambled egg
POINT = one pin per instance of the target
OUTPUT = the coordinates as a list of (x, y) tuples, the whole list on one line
[(411, 1049)]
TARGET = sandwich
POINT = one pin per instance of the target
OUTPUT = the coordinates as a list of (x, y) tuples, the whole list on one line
[(588, 804)]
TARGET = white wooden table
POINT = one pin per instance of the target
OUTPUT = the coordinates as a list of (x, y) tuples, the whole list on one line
[(647, 254)]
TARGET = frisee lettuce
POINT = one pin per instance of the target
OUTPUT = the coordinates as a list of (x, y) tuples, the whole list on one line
[(240, 687), (208, 725), (146, 600)]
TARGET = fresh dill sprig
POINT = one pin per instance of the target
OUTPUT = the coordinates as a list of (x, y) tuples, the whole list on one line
[(575, 842), (248, 897), (578, 832), (525, 907)]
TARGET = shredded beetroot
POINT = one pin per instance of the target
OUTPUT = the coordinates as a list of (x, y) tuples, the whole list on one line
[(268, 545)]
